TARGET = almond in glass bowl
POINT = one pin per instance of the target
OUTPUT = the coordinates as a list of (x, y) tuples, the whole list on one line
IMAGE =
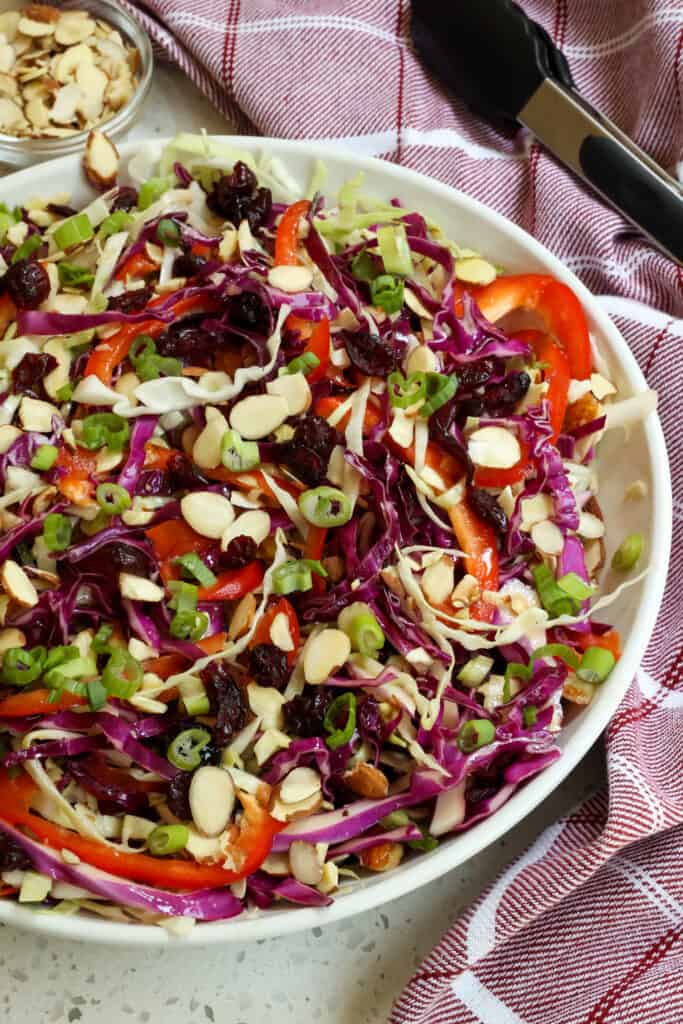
[(66, 71)]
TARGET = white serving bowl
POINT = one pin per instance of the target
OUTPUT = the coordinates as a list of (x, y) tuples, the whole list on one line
[(642, 456)]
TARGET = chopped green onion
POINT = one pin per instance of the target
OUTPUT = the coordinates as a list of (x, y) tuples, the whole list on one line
[(6, 222), (340, 735), (100, 641), (573, 585), (476, 733), (168, 232), (56, 532), (366, 634), (142, 348), (397, 819), (115, 222), (394, 249), (185, 596), (325, 506), (113, 499), (97, 694), (192, 564), (237, 455), (296, 575), (567, 654), (61, 655), (425, 844), (475, 671), (21, 667), (73, 276), (27, 248), (153, 189), (554, 599), (122, 675), (92, 526), (73, 231), (148, 364), (45, 457), (185, 751), (189, 625), (404, 392), (306, 363), (440, 389), (529, 716), (387, 293), (65, 392), (514, 670), (193, 696), (104, 429), (629, 553), (364, 267), (167, 839), (596, 665)]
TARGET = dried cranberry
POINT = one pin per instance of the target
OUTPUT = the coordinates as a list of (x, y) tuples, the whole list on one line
[(304, 715), (61, 209), (370, 721), (259, 208), (12, 856), (269, 666), (470, 407), (486, 504), (188, 264), (118, 557), (474, 375), (315, 433), (248, 311), (242, 180), (304, 463), (240, 551), (443, 427), (130, 302), (28, 284), (152, 482), (126, 198), (372, 354), (183, 475), (30, 372), (186, 341), (227, 702), (179, 795), (502, 397), (236, 198)]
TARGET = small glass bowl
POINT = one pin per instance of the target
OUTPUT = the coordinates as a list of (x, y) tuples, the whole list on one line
[(19, 153)]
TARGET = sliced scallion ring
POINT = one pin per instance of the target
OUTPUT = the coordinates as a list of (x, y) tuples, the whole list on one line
[(185, 751), (325, 506)]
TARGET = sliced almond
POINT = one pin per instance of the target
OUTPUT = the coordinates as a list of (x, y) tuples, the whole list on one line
[(9, 24), (37, 112), (254, 524), (325, 653), (17, 585), (474, 270), (137, 588), (242, 617), (421, 360), (11, 638), (35, 29), (301, 784), (547, 537), (290, 279), (590, 526), (291, 811), (437, 581), (73, 27), (208, 514), (206, 450), (305, 862), (280, 634), (57, 378), (41, 12), (93, 83), (295, 390), (212, 799), (8, 86), (258, 415), (228, 244), (266, 703), (535, 510), (11, 115), (494, 448), (63, 110), (68, 64)]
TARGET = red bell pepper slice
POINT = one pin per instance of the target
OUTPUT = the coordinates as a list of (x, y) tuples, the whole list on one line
[(77, 468), (553, 302), (610, 641), (171, 539), (251, 847), (475, 537), (287, 235), (318, 342), (137, 265), (36, 702), (110, 775), (234, 584), (262, 631), (106, 356), (556, 372), (8, 312)]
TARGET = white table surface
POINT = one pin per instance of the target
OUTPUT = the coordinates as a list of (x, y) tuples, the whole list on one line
[(348, 973)]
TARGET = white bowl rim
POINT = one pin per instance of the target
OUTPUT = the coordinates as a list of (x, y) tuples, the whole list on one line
[(249, 928)]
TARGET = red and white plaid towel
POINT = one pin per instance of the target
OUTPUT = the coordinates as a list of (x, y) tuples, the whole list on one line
[(587, 926)]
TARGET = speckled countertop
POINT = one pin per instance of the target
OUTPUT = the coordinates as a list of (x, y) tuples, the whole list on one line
[(348, 973)]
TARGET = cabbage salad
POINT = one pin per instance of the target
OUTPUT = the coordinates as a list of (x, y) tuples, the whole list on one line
[(301, 538)]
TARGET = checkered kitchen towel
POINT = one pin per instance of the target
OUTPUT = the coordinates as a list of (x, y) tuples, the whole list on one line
[(587, 926)]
